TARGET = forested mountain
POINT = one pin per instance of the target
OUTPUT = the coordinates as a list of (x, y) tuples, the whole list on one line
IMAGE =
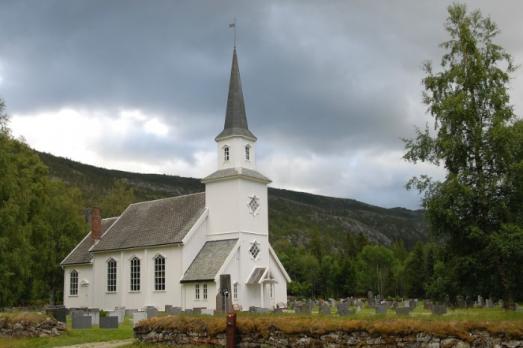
[(295, 217)]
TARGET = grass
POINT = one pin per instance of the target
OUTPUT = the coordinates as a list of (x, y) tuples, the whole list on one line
[(70, 337)]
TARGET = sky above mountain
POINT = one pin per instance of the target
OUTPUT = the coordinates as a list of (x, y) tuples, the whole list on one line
[(330, 87)]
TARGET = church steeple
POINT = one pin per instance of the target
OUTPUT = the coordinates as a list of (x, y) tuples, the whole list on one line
[(235, 116)]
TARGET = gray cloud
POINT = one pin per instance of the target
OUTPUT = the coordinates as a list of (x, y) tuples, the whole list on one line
[(326, 81)]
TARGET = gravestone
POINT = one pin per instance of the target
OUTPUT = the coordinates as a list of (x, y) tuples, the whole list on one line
[(439, 309), (189, 311), (344, 310), (403, 311), (109, 322), (460, 302), (58, 312), (130, 312), (139, 316), (223, 298), (173, 310), (278, 310), (501, 303), (489, 303), (207, 311), (480, 302), (381, 309), (197, 310), (94, 313), (78, 313), (413, 304), (325, 309), (427, 304), (151, 311), (370, 299), (81, 321), (120, 314)]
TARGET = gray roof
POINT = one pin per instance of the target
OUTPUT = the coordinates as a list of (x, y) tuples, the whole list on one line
[(159, 222), (232, 172), (256, 275), (81, 253), (235, 116), (209, 260)]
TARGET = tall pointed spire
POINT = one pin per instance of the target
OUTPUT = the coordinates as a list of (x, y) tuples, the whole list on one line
[(235, 116)]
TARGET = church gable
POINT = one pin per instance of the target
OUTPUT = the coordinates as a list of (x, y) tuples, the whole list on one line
[(152, 223), (80, 253), (209, 260)]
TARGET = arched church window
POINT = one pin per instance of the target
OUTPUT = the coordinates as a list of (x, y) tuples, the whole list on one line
[(73, 283), (248, 152), (135, 274), (159, 273), (226, 153), (111, 275)]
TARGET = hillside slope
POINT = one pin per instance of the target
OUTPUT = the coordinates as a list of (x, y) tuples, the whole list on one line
[(294, 216)]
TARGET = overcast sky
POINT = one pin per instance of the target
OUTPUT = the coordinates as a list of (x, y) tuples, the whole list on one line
[(330, 86)]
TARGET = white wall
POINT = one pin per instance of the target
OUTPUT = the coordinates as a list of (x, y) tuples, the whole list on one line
[(237, 156), (85, 274), (147, 296), (190, 300)]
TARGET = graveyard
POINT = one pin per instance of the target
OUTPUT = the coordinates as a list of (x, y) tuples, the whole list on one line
[(313, 319)]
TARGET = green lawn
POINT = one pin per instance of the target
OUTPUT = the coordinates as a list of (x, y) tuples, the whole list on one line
[(70, 337)]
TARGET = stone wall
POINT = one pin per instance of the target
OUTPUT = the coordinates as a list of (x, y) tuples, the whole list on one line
[(30, 328), (277, 338)]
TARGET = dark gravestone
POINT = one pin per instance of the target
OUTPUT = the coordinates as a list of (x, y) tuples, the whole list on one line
[(81, 322), (188, 311), (173, 310), (151, 312), (278, 310), (325, 309), (403, 311), (344, 310), (59, 313), (78, 313), (223, 298), (109, 322), (460, 302), (427, 304), (381, 309), (439, 309)]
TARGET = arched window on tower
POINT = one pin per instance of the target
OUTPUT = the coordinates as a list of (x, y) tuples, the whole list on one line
[(248, 152), (226, 153)]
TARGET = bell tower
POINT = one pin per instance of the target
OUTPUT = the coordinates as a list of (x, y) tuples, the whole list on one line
[(236, 194)]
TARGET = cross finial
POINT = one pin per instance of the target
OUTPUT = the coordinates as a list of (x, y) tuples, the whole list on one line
[(233, 26)]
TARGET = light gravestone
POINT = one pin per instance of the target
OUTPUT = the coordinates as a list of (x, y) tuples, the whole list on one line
[(381, 309), (325, 309), (370, 299), (120, 314), (94, 313), (489, 303), (223, 298), (439, 309), (139, 316), (151, 311)]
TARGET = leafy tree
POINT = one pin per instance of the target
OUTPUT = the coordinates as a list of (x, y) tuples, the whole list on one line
[(120, 196), (414, 272), (476, 206), (375, 269)]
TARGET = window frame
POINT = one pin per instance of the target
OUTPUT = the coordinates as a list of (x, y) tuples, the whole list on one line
[(112, 275), (205, 292), (226, 153), (247, 152), (73, 283), (159, 273), (135, 274), (197, 291), (235, 291)]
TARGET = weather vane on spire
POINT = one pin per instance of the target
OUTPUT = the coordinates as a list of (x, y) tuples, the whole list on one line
[(233, 26)]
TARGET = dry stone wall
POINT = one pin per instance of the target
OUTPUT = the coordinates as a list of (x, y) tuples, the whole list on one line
[(275, 338), (29, 328)]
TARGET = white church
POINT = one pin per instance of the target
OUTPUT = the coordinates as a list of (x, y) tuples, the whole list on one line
[(172, 251)]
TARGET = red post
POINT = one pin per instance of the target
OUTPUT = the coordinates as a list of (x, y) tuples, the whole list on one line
[(230, 330)]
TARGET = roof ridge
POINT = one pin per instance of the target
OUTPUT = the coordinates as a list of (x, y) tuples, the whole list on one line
[(165, 198)]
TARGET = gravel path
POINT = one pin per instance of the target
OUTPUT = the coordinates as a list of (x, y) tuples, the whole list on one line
[(109, 344)]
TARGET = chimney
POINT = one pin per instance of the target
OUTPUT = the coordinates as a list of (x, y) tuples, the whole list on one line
[(96, 223)]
